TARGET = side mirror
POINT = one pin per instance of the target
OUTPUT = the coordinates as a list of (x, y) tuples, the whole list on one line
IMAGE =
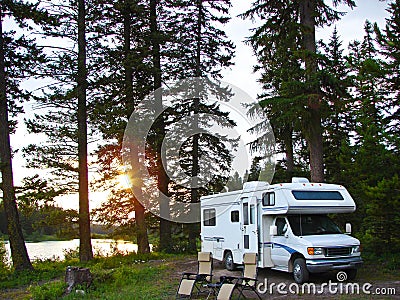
[(273, 230), (285, 230), (348, 228)]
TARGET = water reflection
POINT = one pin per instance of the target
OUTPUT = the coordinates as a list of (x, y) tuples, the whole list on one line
[(57, 249)]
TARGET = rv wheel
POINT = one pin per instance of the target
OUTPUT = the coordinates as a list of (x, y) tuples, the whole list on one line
[(228, 260), (300, 272)]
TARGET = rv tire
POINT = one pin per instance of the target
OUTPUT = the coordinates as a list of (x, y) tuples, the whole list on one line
[(228, 261), (300, 272)]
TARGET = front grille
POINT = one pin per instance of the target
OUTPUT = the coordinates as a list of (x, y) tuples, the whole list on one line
[(339, 251)]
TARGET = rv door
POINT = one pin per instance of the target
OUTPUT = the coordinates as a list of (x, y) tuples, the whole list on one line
[(249, 224), (280, 253)]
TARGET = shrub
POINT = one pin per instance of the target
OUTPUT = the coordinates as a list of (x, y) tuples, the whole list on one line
[(52, 290), (4, 268), (70, 254)]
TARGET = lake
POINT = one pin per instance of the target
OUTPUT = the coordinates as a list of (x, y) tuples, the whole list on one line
[(55, 249)]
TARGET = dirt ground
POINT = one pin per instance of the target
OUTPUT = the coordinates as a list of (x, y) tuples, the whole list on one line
[(279, 285)]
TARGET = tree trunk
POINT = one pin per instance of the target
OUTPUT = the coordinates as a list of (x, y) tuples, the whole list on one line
[(19, 253), (142, 239), (193, 228), (315, 144), (141, 227), (288, 141), (313, 127), (85, 245), (162, 177)]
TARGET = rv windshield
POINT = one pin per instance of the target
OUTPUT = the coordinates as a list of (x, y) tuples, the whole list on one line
[(312, 224)]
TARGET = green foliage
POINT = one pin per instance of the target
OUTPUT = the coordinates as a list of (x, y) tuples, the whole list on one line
[(45, 222), (43, 271), (4, 267), (389, 42), (130, 276), (3, 254), (71, 254), (50, 291), (235, 182), (383, 217)]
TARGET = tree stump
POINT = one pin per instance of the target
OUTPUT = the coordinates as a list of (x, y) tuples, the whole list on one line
[(75, 276)]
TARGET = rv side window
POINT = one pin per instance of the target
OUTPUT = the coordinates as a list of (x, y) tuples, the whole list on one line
[(234, 216), (246, 213), (268, 199), (252, 213), (209, 217), (317, 195)]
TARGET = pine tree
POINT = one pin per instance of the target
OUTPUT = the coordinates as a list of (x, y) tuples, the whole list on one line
[(382, 199), (370, 102), (64, 117), (203, 51), (235, 182), (287, 38), (85, 244), (126, 79), (19, 59), (382, 217), (160, 32), (339, 121), (371, 160), (157, 38), (389, 42)]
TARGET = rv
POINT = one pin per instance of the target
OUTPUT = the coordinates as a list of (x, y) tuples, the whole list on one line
[(286, 224)]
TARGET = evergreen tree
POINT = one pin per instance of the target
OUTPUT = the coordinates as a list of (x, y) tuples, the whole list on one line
[(255, 169), (19, 59), (64, 118), (235, 182), (383, 198), (157, 38), (382, 219), (369, 106), (389, 42), (339, 122), (203, 50), (199, 47), (126, 80), (85, 244), (370, 159), (286, 50)]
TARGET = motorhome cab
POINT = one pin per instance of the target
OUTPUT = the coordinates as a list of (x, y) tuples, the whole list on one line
[(286, 224)]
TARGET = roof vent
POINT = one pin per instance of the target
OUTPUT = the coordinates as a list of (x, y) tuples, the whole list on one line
[(299, 180)]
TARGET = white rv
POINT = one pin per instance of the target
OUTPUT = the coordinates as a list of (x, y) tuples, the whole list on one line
[(286, 224)]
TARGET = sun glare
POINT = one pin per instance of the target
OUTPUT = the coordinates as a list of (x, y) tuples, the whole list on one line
[(123, 181)]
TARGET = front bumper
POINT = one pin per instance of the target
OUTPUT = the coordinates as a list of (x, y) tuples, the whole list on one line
[(331, 264)]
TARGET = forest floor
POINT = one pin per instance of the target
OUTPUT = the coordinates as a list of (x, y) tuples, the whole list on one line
[(159, 279)]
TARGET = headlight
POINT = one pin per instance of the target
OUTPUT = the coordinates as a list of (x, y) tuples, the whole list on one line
[(315, 251), (356, 249)]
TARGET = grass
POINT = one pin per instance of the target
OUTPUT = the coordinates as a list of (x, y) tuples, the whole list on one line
[(381, 268), (119, 277)]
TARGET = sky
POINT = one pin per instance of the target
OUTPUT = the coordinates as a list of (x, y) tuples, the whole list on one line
[(241, 75)]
